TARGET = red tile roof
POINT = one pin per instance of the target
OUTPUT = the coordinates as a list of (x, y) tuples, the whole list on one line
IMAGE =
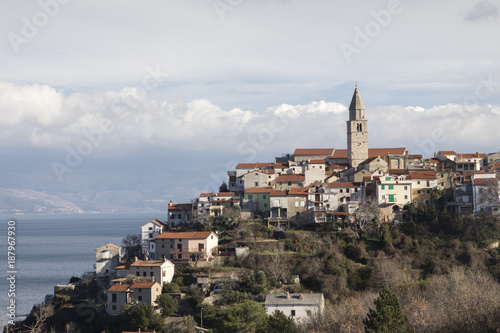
[(185, 235), (484, 181), (340, 184), (253, 165), (277, 193), (398, 172), (313, 151), (143, 285), (179, 207), (374, 152), (412, 157), (447, 152), (266, 189), (290, 178), (113, 246), (339, 153), (119, 287), (471, 155), (280, 166), (428, 174), (298, 191), (316, 161)]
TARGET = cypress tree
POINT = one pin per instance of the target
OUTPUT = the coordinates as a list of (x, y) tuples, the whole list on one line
[(387, 316)]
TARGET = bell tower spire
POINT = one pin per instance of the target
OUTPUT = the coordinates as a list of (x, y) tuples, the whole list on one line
[(357, 131)]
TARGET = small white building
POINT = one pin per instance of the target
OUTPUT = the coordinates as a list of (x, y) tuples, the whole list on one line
[(107, 258), (298, 306), (159, 270), (149, 231)]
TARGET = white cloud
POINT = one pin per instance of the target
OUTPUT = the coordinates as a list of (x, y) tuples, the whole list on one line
[(141, 122)]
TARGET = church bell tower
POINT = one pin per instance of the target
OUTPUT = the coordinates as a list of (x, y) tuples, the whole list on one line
[(357, 131)]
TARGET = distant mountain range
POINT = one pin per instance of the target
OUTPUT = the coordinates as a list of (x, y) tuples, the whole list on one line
[(24, 201)]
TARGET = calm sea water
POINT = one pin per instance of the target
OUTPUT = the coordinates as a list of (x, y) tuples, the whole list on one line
[(51, 249)]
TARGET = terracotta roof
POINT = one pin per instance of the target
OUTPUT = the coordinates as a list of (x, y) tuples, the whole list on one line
[(313, 151), (339, 153), (179, 207), (290, 178), (497, 166), (338, 166), (428, 174), (277, 193), (119, 287), (342, 184), (298, 191), (374, 152), (113, 246), (447, 152), (266, 189), (123, 266), (185, 235), (398, 172), (148, 263), (143, 285), (484, 181), (280, 166), (253, 165), (471, 155), (316, 161), (414, 156)]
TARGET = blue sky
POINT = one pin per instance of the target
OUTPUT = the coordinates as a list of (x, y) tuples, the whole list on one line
[(194, 85)]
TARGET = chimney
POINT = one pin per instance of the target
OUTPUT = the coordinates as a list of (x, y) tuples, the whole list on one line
[(301, 297), (135, 259), (170, 203), (287, 295)]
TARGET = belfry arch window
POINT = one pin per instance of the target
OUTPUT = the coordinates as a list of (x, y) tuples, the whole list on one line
[(360, 127)]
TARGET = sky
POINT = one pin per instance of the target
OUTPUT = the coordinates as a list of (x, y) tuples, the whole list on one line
[(157, 100)]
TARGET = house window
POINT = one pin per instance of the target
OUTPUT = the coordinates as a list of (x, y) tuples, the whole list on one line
[(265, 205), (179, 256), (406, 188), (418, 182), (391, 198), (113, 298), (419, 191), (137, 273), (151, 273), (296, 204), (341, 191), (264, 196), (139, 298), (150, 228), (428, 191), (212, 237), (113, 307), (309, 313), (346, 190), (250, 197), (406, 197), (143, 273), (442, 184), (292, 313), (289, 183), (383, 187), (152, 246), (391, 187), (150, 235), (256, 184), (383, 197), (302, 204), (387, 178)]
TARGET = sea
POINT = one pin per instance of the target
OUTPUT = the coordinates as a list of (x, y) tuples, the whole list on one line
[(50, 249)]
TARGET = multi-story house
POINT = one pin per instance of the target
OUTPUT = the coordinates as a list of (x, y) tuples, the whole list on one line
[(149, 231), (395, 191), (135, 293), (287, 182), (423, 183), (159, 270), (214, 204), (297, 204), (258, 178), (190, 246), (180, 213), (279, 205), (257, 200), (107, 258), (485, 193)]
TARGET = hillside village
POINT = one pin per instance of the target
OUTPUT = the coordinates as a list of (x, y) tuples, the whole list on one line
[(332, 185), (314, 235)]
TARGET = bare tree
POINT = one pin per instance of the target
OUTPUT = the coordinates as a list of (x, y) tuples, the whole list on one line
[(488, 196), (40, 314), (366, 212)]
